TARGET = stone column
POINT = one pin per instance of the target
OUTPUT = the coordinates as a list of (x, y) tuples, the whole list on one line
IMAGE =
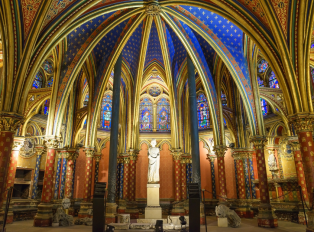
[(183, 178), (44, 215), (195, 151), (63, 175), (220, 153), (86, 204), (132, 205), (266, 217), (8, 125), (57, 183), (126, 161), (97, 158), (178, 207), (211, 159), (18, 143), (70, 155), (39, 149), (250, 158), (121, 199)]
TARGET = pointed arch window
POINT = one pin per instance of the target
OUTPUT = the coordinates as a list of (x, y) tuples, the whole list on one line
[(263, 65), (47, 66), (202, 112), (46, 107), (106, 110), (264, 107), (273, 82), (223, 99), (38, 82), (146, 115), (50, 82), (86, 99), (260, 82), (163, 115)]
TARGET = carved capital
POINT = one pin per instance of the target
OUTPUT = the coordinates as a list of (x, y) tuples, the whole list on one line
[(52, 142), (176, 153), (89, 152), (211, 158), (258, 142), (126, 160), (70, 153), (97, 156), (10, 122), (153, 8), (220, 151), (40, 149), (302, 122), (133, 153)]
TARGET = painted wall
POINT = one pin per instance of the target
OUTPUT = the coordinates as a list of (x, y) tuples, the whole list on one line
[(79, 179), (104, 164), (141, 173), (230, 175), (31, 162), (206, 178)]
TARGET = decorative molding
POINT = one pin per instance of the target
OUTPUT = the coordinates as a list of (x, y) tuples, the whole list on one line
[(9, 122), (220, 151), (258, 142), (302, 122), (52, 142), (153, 8)]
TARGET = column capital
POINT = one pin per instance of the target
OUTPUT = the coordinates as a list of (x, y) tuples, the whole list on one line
[(302, 122), (18, 143), (10, 122), (89, 152), (52, 142), (177, 154), (258, 142), (220, 151), (40, 149), (69, 153), (211, 158), (133, 154), (97, 156)]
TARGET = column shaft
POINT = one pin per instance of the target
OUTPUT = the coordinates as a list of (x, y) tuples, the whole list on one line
[(252, 177), (57, 183), (88, 174), (114, 131), (121, 179), (39, 151), (246, 178), (70, 155), (212, 167), (241, 179), (195, 151), (63, 176), (48, 176), (132, 180), (183, 179), (126, 179), (177, 178), (220, 153)]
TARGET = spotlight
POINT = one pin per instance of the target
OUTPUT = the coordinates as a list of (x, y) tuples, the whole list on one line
[(159, 226), (110, 228)]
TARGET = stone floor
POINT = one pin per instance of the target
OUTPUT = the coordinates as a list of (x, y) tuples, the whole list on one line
[(248, 225)]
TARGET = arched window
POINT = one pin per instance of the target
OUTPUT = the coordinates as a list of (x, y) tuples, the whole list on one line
[(47, 66), (38, 82), (202, 112), (273, 82), (46, 107), (263, 65), (260, 82), (86, 99), (264, 107), (163, 115), (50, 82), (106, 108), (223, 99), (146, 115)]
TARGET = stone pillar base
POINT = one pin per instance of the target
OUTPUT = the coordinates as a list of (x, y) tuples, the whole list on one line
[(84, 207), (44, 215), (202, 215), (178, 209), (111, 211), (132, 210), (121, 206), (266, 217)]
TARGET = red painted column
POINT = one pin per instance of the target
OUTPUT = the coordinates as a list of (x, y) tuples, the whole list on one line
[(295, 146), (183, 179), (220, 153), (126, 177), (266, 217), (70, 155), (18, 143), (132, 206), (44, 215), (240, 174), (178, 208)]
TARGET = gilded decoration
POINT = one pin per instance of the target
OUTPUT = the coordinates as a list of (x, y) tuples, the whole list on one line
[(18, 143), (285, 150), (153, 8), (302, 123), (220, 151), (258, 142), (9, 122), (40, 150), (89, 152), (52, 142), (70, 154), (28, 148)]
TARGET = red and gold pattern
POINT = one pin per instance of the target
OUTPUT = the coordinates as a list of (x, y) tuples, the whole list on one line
[(71, 156), (29, 9), (281, 8), (183, 179), (132, 175), (177, 176), (220, 153), (88, 174), (240, 175), (126, 178)]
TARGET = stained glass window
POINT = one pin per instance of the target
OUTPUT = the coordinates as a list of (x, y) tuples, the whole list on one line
[(163, 115), (225, 122), (146, 115), (154, 91), (38, 82), (264, 107), (223, 99), (263, 65), (47, 66), (86, 99), (273, 82), (106, 109), (46, 107), (312, 46), (50, 82), (260, 82), (312, 73), (203, 112)]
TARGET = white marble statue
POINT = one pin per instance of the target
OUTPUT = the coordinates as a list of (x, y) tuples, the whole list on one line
[(272, 162), (153, 163)]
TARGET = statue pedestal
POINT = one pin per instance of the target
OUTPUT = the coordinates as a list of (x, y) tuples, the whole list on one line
[(153, 209)]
